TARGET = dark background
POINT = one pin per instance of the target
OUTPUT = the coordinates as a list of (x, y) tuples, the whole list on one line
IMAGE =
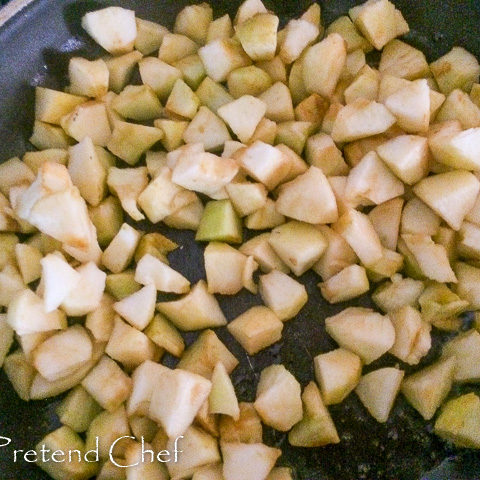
[(34, 50)]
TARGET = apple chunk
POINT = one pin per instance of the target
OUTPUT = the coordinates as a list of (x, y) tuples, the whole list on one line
[(363, 331), (377, 390), (278, 399), (310, 188), (177, 397), (113, 28)]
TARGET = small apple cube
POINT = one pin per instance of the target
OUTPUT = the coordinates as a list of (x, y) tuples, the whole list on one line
[(265, 217), (363, 331), (194, 21), (465, 349), (149, 36), (351, 282), (256, 329), (377, 391), (158, 75), (386, 219), (282, 294), (316, 429), (182, 101), (307, 241), (175, 46), (242, 461), (213, 95), (243, 115), (459, 421), (258, 36), (247, 197), (52, 105), (221, 57), (278, 400), (338, 373), (456, 69), (219, 223), (222, 398), (323, 63), (177, 397), (299, 34), (404, 61), (195, 311), (426, 389), (108, 384), (312, 188), (88, 78)]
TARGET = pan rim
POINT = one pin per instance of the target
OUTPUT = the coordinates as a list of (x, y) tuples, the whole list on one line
[(11, 9)]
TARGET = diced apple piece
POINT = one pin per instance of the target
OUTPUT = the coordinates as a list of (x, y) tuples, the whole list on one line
[(344, 27), (242, 461), (459, 421), (357, 229), (412, 335), (59, 279), (165, 335), (370, 180), (247, 429), (160, 76), (411, 106), (64, 440), (243, 115), (187, 217), (129, 346), (299, 34), (351, 282), (279, 103), (108, 384), (119, 253), (194, 21), (89, 78), (278, 399), (177, 397), (321, 152), (316, 429), (459, 106), (404, 61), (175, 46), (150, 270), (457, 149), (451, 195), (27, 314), (256, 329), (137, 102), (162, 197), (182, 101), (213, 95), (265, 217), (311, 187), (406, 156), (144, 380), (431, 257), (138, 308), (363, 331), (34, 160), (221, 57), (468, 284), (456, 69), (247, 197), (465, 348), (379, 21), (156, 244), (250, 80), (128, 184), (426, 389), (224, 267), (87, 294), (263, 253), (113, 28), (398, 292), (377, 391), (20, 373), (129, 141), (11, 284), (360, 119), (299, 245), (28, 261), (208, 129), (385, 219), (6, 338), (136, 456), (418, 218), (222, 398), (100, 321), (338, 373), (220, 28), (46, 136), (63, 353), (219, 223), (203, 448), (204, 172), (197, 310), (209, 472), (323, 63), (282, 294), (149, 36), (438, 304), (52, 105)]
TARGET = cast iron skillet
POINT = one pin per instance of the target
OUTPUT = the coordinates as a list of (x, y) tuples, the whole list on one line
[(35, 46)]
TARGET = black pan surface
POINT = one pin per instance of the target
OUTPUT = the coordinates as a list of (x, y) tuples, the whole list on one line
[(35, 46)]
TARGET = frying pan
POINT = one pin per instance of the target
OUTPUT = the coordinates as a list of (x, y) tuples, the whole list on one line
[(36, 40)]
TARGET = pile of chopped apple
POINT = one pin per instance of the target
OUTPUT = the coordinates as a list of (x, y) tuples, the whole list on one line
[(367, 176)]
